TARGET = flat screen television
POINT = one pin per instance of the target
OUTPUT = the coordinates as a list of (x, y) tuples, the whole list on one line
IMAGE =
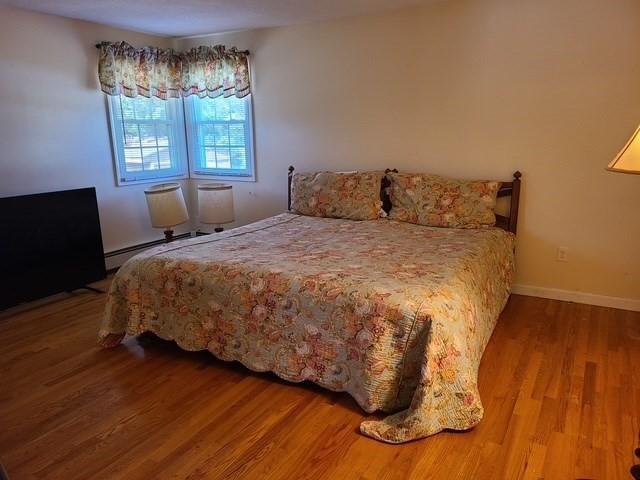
[(49, 243)]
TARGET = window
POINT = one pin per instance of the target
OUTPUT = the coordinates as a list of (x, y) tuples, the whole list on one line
[(220, 133), (150, 143), (148, 138)]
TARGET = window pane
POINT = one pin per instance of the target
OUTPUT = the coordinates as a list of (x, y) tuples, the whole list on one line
[(205, 109), (206, 134), (133, 160), (142, 109), (209, 156), (222, 134), (223, 158), (236, 134), (131, 135), (162, 134), (223, 109), (238, 109), (159, 109), (165, 157), (147, 135), (150, 158), (238, 158), (127, 106)]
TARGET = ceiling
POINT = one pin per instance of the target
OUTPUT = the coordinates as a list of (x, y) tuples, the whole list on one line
[(176, 18)]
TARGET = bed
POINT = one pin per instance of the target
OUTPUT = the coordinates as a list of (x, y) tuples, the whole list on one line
[(395, 314)]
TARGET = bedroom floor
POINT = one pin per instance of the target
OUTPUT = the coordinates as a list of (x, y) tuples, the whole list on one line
[(561, 401)]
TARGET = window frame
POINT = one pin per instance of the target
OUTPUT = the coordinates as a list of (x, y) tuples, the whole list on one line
[(117, 145), (193, 144)]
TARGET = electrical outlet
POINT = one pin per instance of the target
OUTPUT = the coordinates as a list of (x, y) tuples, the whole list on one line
[(563, 254)]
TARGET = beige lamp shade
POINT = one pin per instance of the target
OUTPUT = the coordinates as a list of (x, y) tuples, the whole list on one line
[(215, 203), (166, 205), (628, 160)]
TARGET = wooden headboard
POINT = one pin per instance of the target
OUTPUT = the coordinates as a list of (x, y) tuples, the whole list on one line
[(507, 189), (510, 189)]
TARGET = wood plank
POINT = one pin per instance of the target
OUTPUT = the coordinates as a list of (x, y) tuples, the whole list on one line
[(561, 397)]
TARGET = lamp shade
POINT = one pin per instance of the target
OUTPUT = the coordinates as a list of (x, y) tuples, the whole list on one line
[(628, 160), (215, 203), (166, 205)]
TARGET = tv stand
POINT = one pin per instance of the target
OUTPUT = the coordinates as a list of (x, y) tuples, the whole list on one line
[(87, 287)]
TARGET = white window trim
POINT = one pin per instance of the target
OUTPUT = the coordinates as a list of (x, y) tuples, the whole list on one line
[(117, 156), (192, 145)]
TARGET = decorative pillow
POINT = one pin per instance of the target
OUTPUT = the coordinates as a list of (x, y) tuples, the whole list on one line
[(353, 195), (442, 202)]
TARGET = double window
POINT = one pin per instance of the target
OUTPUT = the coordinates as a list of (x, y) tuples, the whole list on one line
[(157, 139)]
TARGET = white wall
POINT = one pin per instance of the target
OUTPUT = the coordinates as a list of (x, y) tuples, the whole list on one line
[(467, 88), (471, 89), (54, 131)]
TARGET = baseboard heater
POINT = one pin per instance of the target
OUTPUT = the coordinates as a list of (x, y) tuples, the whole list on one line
[(139, 247)]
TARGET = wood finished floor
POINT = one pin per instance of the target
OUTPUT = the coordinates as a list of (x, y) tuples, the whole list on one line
[(561, 401)]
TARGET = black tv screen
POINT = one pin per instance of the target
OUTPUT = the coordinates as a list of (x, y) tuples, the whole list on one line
[(50, 243)]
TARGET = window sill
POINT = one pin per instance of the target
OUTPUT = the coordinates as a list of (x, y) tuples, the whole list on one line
[(173, 178), (227, 178)]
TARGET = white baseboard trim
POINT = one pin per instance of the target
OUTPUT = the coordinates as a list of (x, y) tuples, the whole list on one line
[(578, 297)]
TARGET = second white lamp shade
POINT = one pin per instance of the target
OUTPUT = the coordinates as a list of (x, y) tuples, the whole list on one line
[(215, 203)]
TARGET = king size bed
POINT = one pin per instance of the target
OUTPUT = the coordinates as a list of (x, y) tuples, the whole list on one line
[(394, 313)]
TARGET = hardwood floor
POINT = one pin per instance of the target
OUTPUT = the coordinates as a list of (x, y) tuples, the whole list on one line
[(561, 401)]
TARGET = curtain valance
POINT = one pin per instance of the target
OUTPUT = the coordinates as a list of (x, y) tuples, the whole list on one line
[(164, 73)]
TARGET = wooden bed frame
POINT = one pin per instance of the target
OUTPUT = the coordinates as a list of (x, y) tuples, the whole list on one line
[(507, 189)]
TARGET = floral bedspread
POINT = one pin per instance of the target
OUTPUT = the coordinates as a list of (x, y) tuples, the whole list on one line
[(397, 315)]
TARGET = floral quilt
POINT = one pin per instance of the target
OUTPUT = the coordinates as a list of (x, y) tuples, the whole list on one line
[(396, 314)]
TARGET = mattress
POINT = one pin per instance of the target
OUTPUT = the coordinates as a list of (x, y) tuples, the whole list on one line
[(395, 314)]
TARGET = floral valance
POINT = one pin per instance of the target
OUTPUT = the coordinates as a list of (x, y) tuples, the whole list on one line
[(164, 73)]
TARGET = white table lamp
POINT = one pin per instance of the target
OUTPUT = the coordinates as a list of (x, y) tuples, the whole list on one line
[(215, 204), (166, 207)]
